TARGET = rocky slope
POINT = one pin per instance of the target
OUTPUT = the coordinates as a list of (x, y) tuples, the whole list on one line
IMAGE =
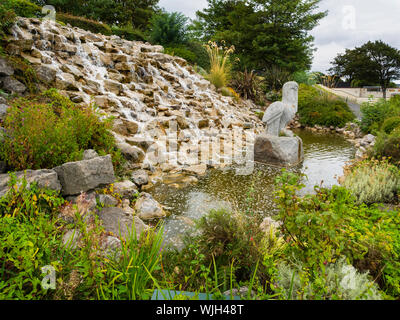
[(143, 89)]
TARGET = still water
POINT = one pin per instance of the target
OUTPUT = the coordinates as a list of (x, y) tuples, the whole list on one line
[(324, 158)]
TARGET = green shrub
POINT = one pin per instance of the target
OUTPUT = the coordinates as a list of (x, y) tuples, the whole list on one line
[(229, 92), (202, 59), (28, 239), (226, 248), (24, 72), (373, 116), (248, 85), (192, 52), (373, 182), (220, 65), (382, 118), (275, 78), (22, 8), (52, 131), (388, 146), (390, 124), (260, 115), (84, 23), (129, 33), (304, 77), (339, 281), (320, 108), (130, 276), (7, 19), (323, 227), (32, 237), (28, 200), (182, 52), (168, 28), (273, 96), (219, 233)]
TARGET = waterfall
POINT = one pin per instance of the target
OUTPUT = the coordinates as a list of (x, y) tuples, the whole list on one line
[(134, 81)]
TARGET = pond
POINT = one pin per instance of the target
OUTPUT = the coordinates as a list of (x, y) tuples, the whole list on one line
[(324, 158)]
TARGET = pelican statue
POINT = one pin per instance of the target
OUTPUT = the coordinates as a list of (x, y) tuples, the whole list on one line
[(280, 113)]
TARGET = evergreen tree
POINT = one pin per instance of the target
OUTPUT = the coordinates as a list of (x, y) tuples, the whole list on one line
[(169, 28), (265, 33)]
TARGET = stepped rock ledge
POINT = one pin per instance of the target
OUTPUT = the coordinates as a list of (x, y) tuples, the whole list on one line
[(143, 88)]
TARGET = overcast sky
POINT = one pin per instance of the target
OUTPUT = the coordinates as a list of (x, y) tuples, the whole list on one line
[(349, 23)]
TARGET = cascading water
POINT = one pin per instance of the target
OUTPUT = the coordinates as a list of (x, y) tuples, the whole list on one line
[(137, 83)]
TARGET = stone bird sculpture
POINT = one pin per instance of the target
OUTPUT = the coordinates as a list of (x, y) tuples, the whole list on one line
[(280, 113)]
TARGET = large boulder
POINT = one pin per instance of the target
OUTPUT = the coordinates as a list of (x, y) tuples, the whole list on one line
[(44, 179), (140, 177), (140, 142), (5, 68), (3, 166), (13, 85), (126, 189), (3, 111), (149, 209), (279, 151), (81, 176), (90, 154), (46, 73), (114, 220), (125, 127), (110, 248), (71, 239), (106, 200), (66, 81), (131, 153), (113, 86)]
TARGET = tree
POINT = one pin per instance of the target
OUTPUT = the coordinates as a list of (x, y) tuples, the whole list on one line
[(138, 12), (265, 33), (168, 28), (120, 12), (373, 62)]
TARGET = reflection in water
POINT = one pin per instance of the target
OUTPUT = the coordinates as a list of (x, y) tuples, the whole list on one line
[(324, 158), (324, 155)]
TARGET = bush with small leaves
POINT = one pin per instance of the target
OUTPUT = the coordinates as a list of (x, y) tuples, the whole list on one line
[(22, 8), (50, 130), (391, 124), (320, 108), (323, 227), (373, 181), (336, 281), (85, 23), (7, 19)]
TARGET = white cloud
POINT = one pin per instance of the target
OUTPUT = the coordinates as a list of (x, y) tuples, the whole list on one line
[(187, 7), (374, 20), (325, 54)]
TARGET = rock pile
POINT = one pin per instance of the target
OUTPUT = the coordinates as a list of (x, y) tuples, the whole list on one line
[(363, 145), (78, 182), (145, 90)]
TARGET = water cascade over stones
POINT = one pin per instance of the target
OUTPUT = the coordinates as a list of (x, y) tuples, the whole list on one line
[(167, 117)]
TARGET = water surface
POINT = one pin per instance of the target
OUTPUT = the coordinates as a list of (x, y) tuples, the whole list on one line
[(324, 158)]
